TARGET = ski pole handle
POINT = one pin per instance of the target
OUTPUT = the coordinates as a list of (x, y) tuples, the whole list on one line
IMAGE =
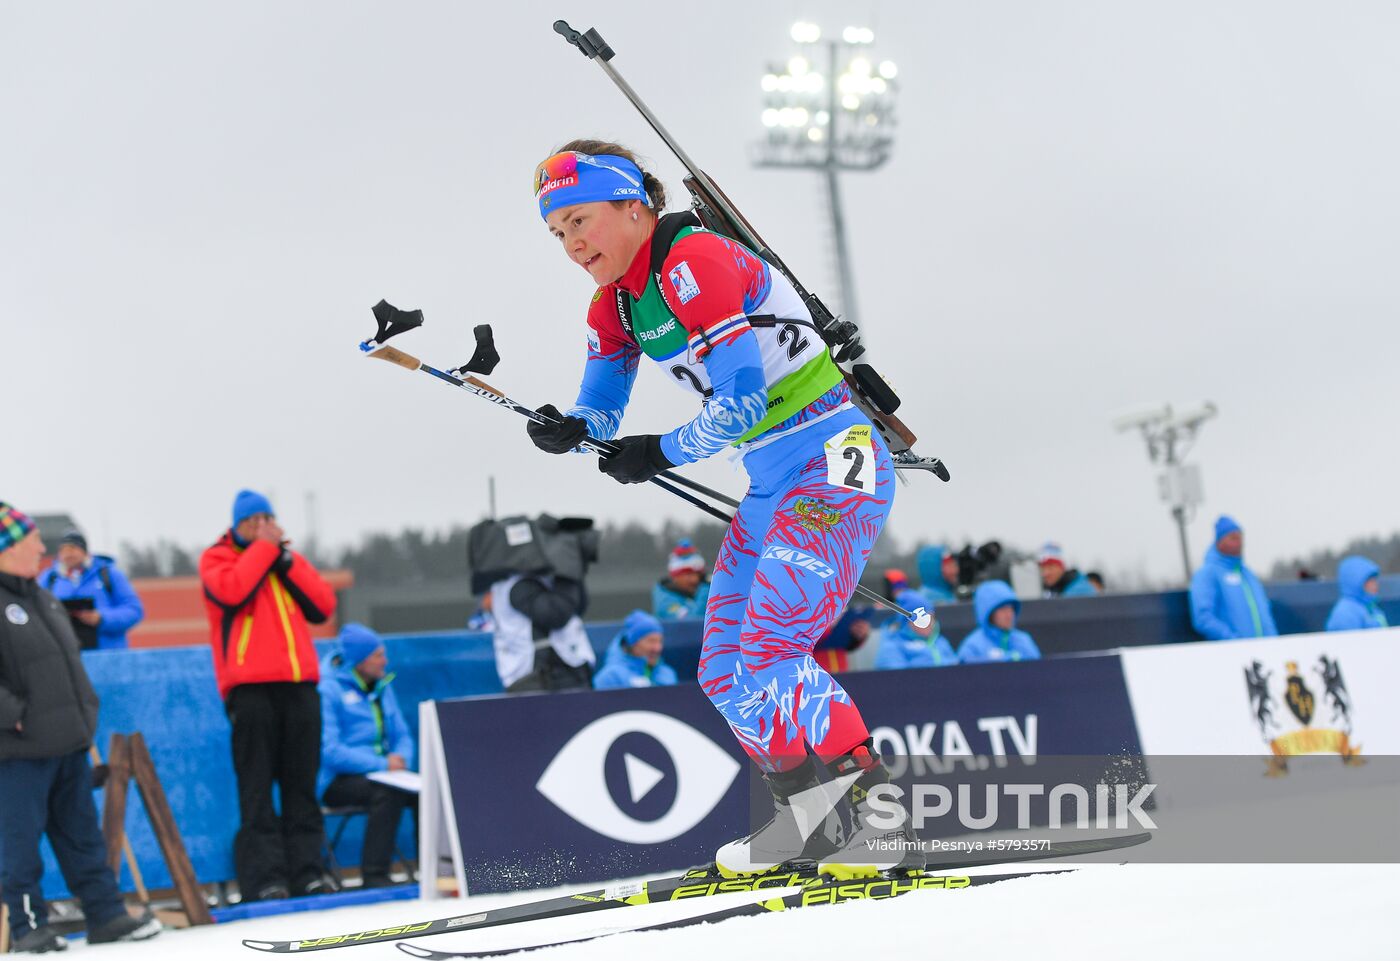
[(395, 356)]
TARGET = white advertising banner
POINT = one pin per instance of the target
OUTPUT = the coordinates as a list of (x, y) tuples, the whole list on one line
[(1281, 697)]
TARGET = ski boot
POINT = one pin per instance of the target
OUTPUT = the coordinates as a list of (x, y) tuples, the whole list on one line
[(804, 827), (878, 841)]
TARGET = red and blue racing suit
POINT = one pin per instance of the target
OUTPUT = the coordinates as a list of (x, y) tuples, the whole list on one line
[(821, 479)]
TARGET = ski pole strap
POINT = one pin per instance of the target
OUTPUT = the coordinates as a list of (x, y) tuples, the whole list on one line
[(392, 321), (484, 358)]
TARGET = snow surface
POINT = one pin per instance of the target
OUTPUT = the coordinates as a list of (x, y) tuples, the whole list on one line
[(1137, 911)]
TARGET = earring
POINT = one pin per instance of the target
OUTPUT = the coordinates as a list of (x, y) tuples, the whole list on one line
[(634, 215)]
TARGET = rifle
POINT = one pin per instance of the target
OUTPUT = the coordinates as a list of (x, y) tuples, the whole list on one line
[(870, 392)]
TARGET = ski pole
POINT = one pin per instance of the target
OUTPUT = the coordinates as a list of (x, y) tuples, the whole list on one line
[(392, 321), (600, 447), (375, 347)]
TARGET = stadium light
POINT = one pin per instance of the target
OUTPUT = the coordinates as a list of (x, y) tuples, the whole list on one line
[(829, 118)]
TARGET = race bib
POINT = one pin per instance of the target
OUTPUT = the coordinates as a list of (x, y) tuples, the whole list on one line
[(850, 459)]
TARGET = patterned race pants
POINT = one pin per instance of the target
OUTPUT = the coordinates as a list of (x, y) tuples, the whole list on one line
[(784, 574)]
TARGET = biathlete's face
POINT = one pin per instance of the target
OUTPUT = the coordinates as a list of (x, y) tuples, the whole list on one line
[(601, 237)]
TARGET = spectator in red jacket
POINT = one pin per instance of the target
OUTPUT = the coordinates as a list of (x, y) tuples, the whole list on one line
[(259, 595)]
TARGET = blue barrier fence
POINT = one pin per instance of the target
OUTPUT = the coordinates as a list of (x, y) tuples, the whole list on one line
[(169, 695)]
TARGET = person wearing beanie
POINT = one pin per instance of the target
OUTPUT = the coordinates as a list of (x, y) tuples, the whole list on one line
[(1227, 599), (1058, 580), (363, 731), (99, 598), (1358, 584), (259, 597), (48, 716), (904, 645), (997, 637), (634, 656), (685, 590)]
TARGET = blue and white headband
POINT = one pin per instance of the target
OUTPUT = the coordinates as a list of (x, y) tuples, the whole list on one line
[(580, 178)]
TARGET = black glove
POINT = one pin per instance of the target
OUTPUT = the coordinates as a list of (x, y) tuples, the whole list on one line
[(638, 459), (560, 437)]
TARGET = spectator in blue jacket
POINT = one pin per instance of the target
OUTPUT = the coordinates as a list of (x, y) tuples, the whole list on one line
[(634, 656), (1358, 582), (996, 637), (685, 590), (1227, 599), (938, 570), (78, 575), (1058, 579), (363, 731), (904, 645)]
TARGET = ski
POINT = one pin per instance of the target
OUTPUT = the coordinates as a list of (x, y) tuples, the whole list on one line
[(817, 892), (664, 889)]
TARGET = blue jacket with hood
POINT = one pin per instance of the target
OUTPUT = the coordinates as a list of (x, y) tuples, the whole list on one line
[(1228, 600), (120, 608), (355, 737), (989, 643), (935, 586), (621, 669), (1356, 610)]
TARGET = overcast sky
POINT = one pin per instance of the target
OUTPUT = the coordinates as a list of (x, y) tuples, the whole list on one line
[(1092, 207)]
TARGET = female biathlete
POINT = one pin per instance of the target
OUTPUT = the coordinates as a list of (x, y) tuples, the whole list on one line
[(726, 327)]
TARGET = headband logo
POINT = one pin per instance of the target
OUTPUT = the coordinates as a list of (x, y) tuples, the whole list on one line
[(545, 185)]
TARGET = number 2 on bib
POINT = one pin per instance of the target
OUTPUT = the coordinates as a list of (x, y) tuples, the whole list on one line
[(850, 459)]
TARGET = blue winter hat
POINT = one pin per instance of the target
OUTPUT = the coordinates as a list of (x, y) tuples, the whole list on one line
[(248, 503), (1225, 524), (637, 626), (912, 599), (358, 642)]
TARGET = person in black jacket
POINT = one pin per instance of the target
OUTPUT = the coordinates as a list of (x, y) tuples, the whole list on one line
[(48, 715)]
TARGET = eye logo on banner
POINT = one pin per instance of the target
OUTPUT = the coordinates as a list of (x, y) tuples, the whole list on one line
[(638, 776)]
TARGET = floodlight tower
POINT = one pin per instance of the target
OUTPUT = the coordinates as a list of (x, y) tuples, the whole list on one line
[(1169, 438), (842, 119)]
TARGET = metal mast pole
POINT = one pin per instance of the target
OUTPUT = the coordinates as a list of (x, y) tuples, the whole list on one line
[(846, 276), (1178, 509)]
